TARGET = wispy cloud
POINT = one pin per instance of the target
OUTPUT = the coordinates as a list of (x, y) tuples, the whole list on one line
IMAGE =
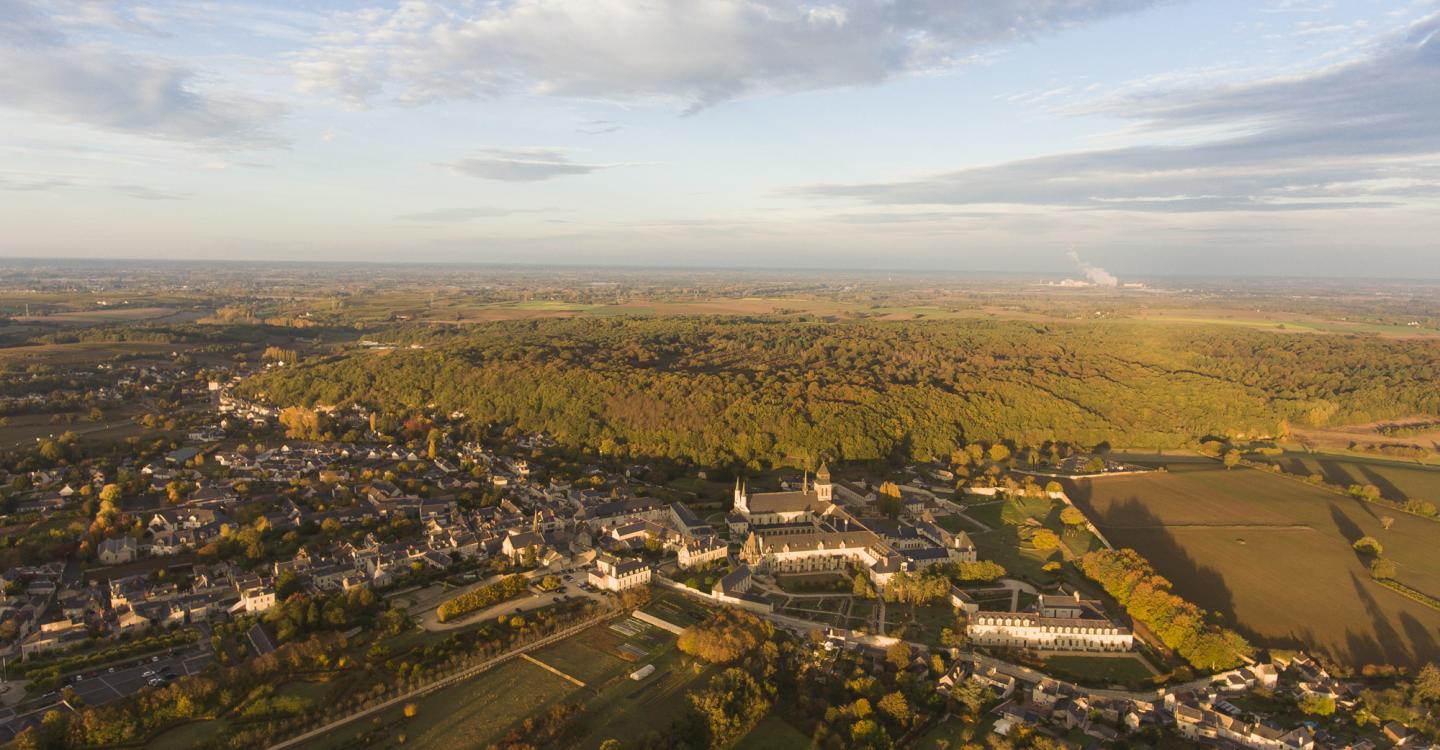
[(694, 54), (523, 165), (448, 215), (44, 69), (146, 193), (1353, 135)]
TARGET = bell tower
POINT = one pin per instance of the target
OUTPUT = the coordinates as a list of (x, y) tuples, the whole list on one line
[(823, 488)]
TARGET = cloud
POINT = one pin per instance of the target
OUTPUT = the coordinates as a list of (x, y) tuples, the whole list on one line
[(600, 127), (45, 70), (1356, 135), (441, 215), (146, 193), (522, 165), (694, 53)]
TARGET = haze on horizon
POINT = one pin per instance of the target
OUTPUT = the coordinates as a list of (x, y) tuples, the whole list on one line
[(1138, 137)]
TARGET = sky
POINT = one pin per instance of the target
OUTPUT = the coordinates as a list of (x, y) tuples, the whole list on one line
[(1269, 137)]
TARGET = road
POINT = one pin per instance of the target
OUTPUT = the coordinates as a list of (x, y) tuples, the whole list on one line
[(425, 613), (456, 678)]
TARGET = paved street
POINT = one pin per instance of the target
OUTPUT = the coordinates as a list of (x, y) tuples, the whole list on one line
[(427, 618)]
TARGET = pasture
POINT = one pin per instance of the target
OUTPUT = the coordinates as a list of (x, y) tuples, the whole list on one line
[(1272, 555)]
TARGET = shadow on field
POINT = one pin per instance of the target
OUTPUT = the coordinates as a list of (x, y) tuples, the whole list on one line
[(1335, 472), (1387, 488), (1386, 645), (1140, 528), (1347, 528)]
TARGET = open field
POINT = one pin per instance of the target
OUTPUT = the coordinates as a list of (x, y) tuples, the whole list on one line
[(24, 429), (1272, 555), (1338, 439), (84, 353), (1397, 479), (111, 315)]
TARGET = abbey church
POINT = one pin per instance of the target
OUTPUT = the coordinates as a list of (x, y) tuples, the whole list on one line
[(806, 530)]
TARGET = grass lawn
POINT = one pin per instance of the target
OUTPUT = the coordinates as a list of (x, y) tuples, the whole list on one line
[(189, 735), (925, 626), (1020, 561), (956, 523), (951, 733), (1124, 669), (988, 513), (773, 733)]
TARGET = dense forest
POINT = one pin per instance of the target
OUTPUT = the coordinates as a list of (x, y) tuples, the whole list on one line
[(721, 390)]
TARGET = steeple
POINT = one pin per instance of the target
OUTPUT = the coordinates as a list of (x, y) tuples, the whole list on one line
[(823, 488)]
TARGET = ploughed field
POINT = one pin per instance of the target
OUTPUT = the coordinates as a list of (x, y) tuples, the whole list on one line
[(1273, 555)]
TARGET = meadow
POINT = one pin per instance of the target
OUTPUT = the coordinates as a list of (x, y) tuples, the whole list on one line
[(1272, 554)]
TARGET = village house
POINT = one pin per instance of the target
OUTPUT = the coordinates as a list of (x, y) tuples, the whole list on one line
[(617, 574)]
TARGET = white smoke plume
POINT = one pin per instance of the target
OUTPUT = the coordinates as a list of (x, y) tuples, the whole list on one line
[(1097, 275)]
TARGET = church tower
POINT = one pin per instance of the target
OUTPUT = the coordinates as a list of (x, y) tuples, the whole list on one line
[(823, 488), (740, 503)]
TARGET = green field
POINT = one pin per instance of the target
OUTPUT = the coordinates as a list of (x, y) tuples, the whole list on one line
[(1124, 669), (773, 733), (1273, 556)]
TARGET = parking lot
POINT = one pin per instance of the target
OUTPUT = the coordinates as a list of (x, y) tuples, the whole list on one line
[(98, 687)]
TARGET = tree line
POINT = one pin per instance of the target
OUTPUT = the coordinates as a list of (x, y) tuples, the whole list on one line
[(754, 391)]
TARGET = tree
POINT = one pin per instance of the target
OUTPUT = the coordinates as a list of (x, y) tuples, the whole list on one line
[(110, 493), (1072, 516), (725, 637), (896, 707), (1231, 458), (861, 586), (411, 710), (1382, 569), (1044, 540), (1386, 522), (1427, 683), (867, 733), (898, 654), (729, 706), (1316, 704), (1368, 545)]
